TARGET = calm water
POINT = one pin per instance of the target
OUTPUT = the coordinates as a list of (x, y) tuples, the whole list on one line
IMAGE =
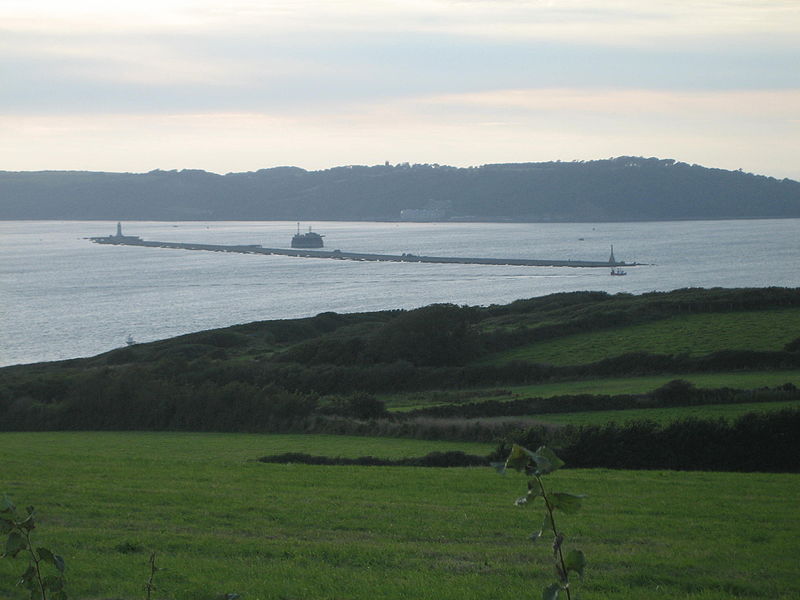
[(63, 297)]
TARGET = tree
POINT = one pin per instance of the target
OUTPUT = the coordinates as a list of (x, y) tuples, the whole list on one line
[(434, 336)]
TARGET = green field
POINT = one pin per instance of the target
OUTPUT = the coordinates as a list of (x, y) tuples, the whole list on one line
[(611, 386), (693, 335), (662, 415), (221, 523)]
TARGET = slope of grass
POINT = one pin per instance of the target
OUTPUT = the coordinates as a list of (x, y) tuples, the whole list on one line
[(223, 524), (694, 335), (611, 386), (639, 385), (662, 415)]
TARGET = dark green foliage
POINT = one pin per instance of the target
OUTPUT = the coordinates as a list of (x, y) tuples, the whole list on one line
[(44, 576), (222, 338), (125, 400), (357, 406), (767, 442), (433, 336), (433, 459), (121, 356), (129, 548), (536, 465), (270, 376), (793, 346), (674, 393), (327, 350)]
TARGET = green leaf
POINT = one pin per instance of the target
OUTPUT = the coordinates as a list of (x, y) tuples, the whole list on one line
[(531, 495), (6, 525), (54, 559), (546, 460), (575, 561), (58, 562), (28, 524), (551, 591), (15, 544), (569, 503), (547, 526), (45, 555), (519, 458), (500, 467), (53, 582), (6, 505), (28, 578)]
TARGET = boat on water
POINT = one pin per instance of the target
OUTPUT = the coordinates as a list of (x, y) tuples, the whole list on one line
[(615, 271), (310, 239)]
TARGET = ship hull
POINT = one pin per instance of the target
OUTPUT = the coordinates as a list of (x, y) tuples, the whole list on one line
[(307, 240)]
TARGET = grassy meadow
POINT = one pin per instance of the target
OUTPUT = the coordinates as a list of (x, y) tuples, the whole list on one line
[(728, 412), (745, 380), (222, 523), (692, 335)]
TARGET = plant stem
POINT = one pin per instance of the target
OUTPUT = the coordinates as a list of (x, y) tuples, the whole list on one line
[(149, 585), (35, 564), (555, 535)]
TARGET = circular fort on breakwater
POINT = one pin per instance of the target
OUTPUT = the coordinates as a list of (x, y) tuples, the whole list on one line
[(129, 240)]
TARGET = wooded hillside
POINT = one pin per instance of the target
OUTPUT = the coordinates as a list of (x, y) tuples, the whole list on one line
[(618, 189)]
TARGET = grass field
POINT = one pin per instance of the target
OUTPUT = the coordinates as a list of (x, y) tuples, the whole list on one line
[(662, 415), (622, 385), (693, 335), (221, 523)]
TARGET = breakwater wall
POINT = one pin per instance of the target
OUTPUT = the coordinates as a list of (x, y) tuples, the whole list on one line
[(340, 255)]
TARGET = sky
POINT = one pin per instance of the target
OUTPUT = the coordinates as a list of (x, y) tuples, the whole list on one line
[(241, 85)]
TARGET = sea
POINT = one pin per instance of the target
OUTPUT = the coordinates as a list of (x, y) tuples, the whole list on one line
[(62, 296)]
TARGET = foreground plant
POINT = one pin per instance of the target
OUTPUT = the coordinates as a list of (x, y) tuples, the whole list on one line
[(150, 586), (35, 579), (537, 464)]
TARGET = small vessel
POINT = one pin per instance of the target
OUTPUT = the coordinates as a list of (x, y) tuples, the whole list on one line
[(306, 240), (618, 272)]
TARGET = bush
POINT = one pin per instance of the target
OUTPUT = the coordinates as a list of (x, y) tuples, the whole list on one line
[(765, 442), (357, 406), (433, 459), (436, 335)]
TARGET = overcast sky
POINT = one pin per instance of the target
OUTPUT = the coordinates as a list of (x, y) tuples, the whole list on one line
[(247, 84)]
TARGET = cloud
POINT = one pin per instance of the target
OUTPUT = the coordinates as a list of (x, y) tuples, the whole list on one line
[(615, 21), (245, 84), (288, 73), (777, 104), (756, 131)]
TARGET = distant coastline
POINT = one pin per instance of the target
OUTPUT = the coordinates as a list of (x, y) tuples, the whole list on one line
[(624, 189), (485, 220)]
